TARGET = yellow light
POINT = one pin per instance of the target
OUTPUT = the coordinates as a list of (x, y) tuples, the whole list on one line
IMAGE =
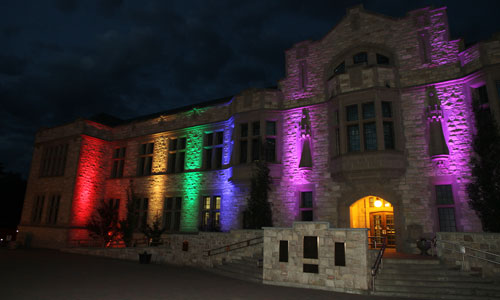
[(378, 203), (387, 204)]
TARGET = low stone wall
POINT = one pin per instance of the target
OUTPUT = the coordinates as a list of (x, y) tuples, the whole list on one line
[(450, 253), (171, 252), (352, 277)]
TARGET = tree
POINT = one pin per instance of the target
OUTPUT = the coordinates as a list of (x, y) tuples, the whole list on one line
[(13, 187), (128, 225), (258, 213), (484, 190), (103, 223)]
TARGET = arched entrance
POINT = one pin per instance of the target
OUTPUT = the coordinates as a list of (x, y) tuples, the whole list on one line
[(376, 214)]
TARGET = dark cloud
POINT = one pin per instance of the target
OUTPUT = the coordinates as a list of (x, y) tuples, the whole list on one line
[(11, 65), (66, 6), (10, 31), (109, 7)]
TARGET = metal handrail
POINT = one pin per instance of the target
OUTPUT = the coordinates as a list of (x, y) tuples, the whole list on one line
[(463, 250), (231, 247), (378, 262)]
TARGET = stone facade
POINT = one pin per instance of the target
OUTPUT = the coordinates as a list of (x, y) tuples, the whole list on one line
[(350, 273), (407, 70)]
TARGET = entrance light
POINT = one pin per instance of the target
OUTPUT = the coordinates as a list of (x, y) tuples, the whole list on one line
[(387, 204), (378, 203)]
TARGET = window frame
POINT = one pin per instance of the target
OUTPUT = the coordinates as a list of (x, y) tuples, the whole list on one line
[(176, 158), (118, 159), (303, 208), (175, 213), (145, 161), (448, 205), (212, 211), (213, 151)]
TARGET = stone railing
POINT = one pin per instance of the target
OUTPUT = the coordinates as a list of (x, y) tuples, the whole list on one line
[(471, 251), (313, 255)]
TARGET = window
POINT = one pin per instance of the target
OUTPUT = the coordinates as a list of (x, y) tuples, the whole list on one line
[(424, 46), (306, 206), (176, 155), (382, 59), (259, 143), (53, 209), (255, 141), (213, 150), (374, 116), (361, 57), (172, 213), (141, 212), (270, 146), (53, 160), (340, 69), (210, 215), (36, 217), (145, 159), (118, 162), (446, 208)]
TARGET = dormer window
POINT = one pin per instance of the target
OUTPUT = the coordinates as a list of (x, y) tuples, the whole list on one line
[(382, 59), (361, 57)]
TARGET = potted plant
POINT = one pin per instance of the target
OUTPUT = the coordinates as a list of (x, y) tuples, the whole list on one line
[(424, 245), (145, 257)]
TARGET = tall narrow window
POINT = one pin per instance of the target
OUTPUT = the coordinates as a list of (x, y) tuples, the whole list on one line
[(172, 213), (370, 136), (306, 206), (270, 146), (302, 74), (214, 143), (388, 125), (145, 159), (210, 213), (141, 211), (283, 251), (118, 162), (53, 160), (446, 208), (53, 209), (36, 216), (424, 45), (176, 155), (353, 138)]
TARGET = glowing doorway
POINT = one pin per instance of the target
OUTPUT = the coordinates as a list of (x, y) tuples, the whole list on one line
[(376, 214)]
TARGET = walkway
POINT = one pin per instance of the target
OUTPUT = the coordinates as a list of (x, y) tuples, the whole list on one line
[(53, 275)]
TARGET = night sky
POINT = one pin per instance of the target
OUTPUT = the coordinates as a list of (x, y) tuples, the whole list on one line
[(64, 59)]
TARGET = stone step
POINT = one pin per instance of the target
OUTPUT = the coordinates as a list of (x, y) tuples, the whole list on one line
[(241, 267), (449, 290), (239, 271), (410, 261), (431, 272), (424, 295), (433, 283), (430, 277)]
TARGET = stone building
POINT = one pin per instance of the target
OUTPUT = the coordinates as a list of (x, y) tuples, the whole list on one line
[(370, 128)]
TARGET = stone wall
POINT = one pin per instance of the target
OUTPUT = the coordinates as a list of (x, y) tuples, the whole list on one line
[(354, 277), (171, 251), (448, 249)]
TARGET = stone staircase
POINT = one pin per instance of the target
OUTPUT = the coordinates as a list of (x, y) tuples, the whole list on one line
[(428, 279), (245, 268)]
